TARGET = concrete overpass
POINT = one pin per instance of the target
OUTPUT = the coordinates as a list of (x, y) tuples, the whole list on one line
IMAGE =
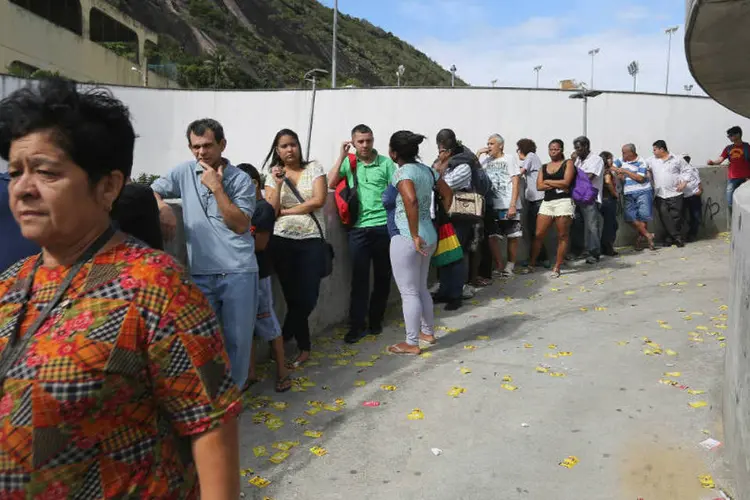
[(716, 43)]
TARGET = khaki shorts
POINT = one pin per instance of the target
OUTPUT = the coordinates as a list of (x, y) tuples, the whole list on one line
[(558, 208)]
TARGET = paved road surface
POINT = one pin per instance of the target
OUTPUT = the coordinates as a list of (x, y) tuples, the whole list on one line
[(634, 437)]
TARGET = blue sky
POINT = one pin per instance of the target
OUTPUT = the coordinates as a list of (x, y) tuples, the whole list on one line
[(505, 39)]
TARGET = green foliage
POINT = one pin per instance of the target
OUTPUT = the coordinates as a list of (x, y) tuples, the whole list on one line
[(146, 179), (128, 50)]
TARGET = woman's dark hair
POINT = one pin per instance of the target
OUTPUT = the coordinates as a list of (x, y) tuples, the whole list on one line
[(446, 139), (661, 144), (252, 172), (606, 155), (406, 145), (92, 127), (526, 146), (558, 142), (273, 156)]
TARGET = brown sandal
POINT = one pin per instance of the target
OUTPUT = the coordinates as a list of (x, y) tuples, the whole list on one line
[(395, 349)]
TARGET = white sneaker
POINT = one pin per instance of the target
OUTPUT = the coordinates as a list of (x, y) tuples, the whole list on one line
[(469, 292), (435, 288)]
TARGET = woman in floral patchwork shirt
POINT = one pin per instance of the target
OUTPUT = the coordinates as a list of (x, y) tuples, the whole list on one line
[(114, 380)]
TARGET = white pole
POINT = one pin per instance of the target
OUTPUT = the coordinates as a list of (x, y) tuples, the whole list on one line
[(312, 115), (669, 57), (333, 50)]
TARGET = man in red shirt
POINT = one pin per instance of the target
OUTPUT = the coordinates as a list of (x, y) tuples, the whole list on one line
[(738, 154)]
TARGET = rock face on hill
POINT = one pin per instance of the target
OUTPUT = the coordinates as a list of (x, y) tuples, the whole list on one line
[(271, 44)]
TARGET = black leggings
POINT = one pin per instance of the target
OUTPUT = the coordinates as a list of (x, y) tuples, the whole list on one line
[(298, 265)]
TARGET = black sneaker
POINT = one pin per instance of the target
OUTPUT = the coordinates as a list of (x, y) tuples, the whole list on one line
[(354, 336), (454, 305), (440, 299), (679, 243), (376, 330)]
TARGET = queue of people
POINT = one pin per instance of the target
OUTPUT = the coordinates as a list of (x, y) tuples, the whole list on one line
[(86, 278)]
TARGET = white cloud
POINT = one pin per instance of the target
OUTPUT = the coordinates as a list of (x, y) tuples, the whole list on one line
[(500, 53), (633, 13)]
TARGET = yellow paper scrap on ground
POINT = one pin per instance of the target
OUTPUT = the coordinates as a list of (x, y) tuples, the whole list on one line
[(551, 355), (317, 450), (483, 337), (364, 363), (528, 346), (279, 405), (556, 374), (670, 352), (584, 309), (695, 392), (470, 347), (707, 481), (552, 346), (519, 313), (279, 457), (565, 353), (416, 414), (465, 371), (425, 355), (331, 408), (509, 387), (274, 424), (622, 342), (630, 292), (259, 482), (666, 326), (456, 391), (313, 411), (697, 404), (673, 374), (313, 434), (666, 381), (542, 369), (360, 383), (388, 387), (601, 309), (569, 462), (300, 421), (702, 328), (507, 378), (342, 362), (246, 472)]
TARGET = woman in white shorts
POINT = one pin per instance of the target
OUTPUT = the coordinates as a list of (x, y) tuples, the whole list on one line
[(556, 181)]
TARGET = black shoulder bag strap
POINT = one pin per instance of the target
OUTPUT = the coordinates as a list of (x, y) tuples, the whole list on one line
[(302, 200), (14, 349)]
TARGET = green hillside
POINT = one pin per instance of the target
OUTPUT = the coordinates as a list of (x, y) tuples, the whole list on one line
[(272, 44)]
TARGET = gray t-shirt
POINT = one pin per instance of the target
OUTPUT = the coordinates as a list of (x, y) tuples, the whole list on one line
[(530, 170)]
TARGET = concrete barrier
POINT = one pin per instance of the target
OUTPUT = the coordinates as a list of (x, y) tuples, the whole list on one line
[(737, 368), (333, 305)]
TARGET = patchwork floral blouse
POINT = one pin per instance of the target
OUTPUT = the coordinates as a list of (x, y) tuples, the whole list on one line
[(104, 400)]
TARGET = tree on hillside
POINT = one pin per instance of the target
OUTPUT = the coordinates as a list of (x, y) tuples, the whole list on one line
[(217, 65)]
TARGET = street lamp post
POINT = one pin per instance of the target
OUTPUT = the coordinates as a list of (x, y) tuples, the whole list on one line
[(669, 31), (593, 53), (333, 49), (453, 75), (537, 69), (586, 95), (633, 69), (399, 73), (312, 76)]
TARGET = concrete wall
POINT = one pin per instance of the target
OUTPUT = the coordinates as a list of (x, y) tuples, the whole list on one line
[(33, 40), (737, 368)]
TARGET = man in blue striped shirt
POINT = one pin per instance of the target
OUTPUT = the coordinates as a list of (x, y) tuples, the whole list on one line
[(639, 194)]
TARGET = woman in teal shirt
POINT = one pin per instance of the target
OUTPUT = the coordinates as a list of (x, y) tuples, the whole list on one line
[(412, 248)]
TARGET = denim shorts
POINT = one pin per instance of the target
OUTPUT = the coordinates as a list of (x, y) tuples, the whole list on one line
[(639, 206), (732, 185)]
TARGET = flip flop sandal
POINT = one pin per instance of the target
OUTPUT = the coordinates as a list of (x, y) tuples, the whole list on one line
[(395, 349), (281, 384), (431, 342)]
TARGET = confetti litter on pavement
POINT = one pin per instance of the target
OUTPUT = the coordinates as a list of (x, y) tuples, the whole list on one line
[(695, 392), (507, 378), (416, 414), (259, 482), (465, 371), (313, 434), (246, 472), (317, 450), (673, 374), (360, 383), (528, 346), (300, 421), (697, 404), (710, 444), (509, 387), (425, 355), (707, 481), (279, 457), (390, 388), (371, 404), (483, 337), (569, 462), (456, 391), (470, 347)]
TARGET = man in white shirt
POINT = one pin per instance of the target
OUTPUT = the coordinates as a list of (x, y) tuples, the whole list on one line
[(670, 179), (530, 167), (693, 205), (593, 165)]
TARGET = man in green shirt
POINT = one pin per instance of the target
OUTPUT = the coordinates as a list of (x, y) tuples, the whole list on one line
[(369, 242)]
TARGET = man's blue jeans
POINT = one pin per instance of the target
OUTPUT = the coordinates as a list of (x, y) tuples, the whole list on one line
[(234, 299), (592, 222), (732, 185)]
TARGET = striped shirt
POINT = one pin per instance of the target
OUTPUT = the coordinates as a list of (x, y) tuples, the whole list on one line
[(638, 167), (459, 179)]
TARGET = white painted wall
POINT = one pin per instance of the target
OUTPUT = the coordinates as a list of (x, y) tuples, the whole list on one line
[(693, 125)]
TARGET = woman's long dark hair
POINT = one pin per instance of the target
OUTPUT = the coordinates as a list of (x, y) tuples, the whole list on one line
[(273, 155), (406, 145)]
